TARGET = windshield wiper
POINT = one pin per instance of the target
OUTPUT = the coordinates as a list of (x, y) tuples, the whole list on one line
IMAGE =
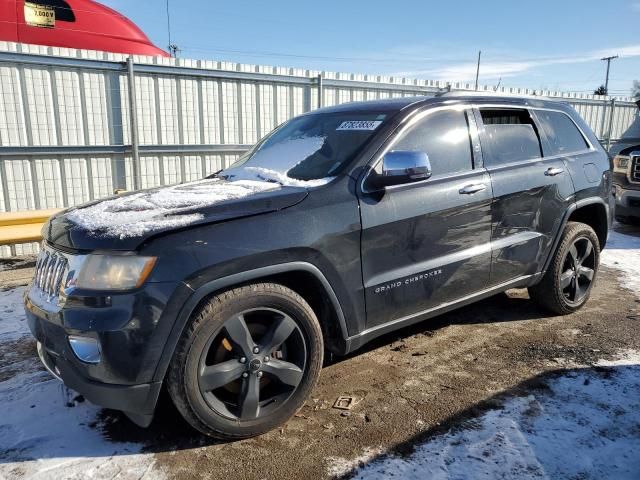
[(217, 175)]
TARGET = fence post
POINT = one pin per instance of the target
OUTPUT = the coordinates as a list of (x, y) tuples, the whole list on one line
[(603, 120), (320, 90), (133, 124), (613, 109)]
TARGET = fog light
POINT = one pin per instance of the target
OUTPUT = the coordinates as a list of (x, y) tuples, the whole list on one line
[(86, 349)]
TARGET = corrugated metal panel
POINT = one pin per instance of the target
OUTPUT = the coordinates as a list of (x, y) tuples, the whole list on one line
[(49, 183), (230, 127), (20, 182), (97, 118), (102, 176), (77, 180), (211, 111), (146, 110), (12, 123), (248, 114), (69, 107), (190, 112), (40, 107), (167, 101)]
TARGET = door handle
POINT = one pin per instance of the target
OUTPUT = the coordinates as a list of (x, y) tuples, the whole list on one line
[(470, 189), (553, 171)]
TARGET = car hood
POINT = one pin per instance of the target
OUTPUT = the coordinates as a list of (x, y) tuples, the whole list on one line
[(124, 222)]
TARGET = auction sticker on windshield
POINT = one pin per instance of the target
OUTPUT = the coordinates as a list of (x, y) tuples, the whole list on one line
[(359, 125)]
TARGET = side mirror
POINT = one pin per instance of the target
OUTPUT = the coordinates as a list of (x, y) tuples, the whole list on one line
[(403, 166)]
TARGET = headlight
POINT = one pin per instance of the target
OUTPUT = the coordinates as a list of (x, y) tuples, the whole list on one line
[(621, 164), (114, 272)]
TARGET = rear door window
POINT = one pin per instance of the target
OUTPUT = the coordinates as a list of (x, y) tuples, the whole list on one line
[(563, 137), (510, 135)]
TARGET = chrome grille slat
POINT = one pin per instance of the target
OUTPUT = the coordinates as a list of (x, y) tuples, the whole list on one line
[(635, 169), (49, 273)]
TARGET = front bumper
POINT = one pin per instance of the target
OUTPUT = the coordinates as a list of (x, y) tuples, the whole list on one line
[(627, 202), (137, 401), (131, 329)]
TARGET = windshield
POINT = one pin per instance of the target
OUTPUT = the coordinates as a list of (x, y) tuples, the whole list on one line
[(309, 150)]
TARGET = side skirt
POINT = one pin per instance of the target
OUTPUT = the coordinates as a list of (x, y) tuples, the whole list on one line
[(356, 341)]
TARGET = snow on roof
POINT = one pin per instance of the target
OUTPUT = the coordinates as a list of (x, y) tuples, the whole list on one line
[(168, 207)]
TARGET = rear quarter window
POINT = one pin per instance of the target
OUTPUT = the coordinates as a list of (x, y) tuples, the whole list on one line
[(562, 135)]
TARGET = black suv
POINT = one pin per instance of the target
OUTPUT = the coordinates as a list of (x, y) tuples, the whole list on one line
[(341, 225), (626, 181)]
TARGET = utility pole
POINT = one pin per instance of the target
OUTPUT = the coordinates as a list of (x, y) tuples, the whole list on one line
[(478, 68), (173, 48), (606, 80), (606, 92)]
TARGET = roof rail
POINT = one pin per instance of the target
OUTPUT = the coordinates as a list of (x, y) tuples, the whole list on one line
[(484, 93)]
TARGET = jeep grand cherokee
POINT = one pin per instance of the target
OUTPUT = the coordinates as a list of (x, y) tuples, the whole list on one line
[(341, 225)]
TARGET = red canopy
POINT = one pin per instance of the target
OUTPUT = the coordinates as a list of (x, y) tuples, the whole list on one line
[(81, 24)]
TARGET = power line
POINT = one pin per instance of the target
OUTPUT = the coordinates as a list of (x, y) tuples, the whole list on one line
[(260, 53)]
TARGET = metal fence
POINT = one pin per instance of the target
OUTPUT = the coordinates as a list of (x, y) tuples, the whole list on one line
[(69, 132)]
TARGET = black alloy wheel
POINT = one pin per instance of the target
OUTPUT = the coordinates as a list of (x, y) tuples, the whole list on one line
[(253, 365), (567, 284), (578, 270), (247, 361)]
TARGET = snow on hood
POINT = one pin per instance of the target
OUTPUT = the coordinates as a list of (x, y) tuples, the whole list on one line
[(173, 207), (273, 162), (168, 207)]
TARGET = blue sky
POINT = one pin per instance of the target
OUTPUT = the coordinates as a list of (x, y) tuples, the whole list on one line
[(537, 44)]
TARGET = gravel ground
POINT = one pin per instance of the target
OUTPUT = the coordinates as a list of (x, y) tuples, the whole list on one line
[(409, 387)]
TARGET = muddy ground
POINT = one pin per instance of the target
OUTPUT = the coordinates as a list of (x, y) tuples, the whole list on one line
[(406, 385)]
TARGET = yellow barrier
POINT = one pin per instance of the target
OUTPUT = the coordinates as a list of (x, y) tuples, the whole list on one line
[(23, 227)]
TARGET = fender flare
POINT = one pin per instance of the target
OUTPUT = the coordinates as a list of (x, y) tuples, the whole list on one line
[(229, 281), (565, 219)]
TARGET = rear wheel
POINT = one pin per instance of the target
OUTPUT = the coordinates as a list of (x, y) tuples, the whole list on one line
[(567, 284), (247, 361)]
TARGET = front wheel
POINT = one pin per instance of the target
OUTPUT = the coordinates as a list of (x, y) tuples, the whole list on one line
[(247, 361), (567, 284)]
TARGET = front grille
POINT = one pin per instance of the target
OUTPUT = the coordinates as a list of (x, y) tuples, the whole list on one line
[(635, 169), (49, 273)]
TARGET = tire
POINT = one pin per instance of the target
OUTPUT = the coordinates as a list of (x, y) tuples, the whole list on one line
[(265, 342), (567, 284)]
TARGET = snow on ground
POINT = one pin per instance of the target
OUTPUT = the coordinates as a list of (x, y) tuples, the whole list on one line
[(45, 432), (587, 426), (12, 324), (623, 253), (168, 207)]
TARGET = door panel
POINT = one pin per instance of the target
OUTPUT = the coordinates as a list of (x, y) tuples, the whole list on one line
[(428, 243), (527, 212), (424, 245), (531, 193)]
